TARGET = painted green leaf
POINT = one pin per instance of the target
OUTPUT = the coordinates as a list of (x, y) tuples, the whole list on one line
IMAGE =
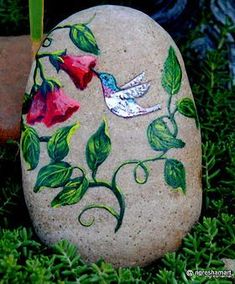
[(172, 73), (72, 193), (83, 38), (186, 107), (174, 173), (53, 175), (58, 145), (160, 138), (98, 147), (30, 146)]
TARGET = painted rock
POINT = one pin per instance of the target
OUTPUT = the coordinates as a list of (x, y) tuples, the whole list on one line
[(110, 140)]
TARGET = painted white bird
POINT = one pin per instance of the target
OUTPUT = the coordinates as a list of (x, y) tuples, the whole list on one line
[(122, 100)]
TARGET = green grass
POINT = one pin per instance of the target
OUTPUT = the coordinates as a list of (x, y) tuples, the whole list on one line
[(24, 259)]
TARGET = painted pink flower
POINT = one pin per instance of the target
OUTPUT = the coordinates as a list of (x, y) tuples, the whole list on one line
[(50, 106), (79, 68)]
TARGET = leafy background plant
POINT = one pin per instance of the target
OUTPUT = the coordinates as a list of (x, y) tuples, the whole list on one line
[(23, 258), (13, 17)]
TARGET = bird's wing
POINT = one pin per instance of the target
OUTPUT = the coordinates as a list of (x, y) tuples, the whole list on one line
[(134, 92), (134, 82)]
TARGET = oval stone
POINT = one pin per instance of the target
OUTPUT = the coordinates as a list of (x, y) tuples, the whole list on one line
[(110, 146)]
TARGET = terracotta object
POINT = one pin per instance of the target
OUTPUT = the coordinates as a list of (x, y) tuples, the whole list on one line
[(111, 150), (15, 62)]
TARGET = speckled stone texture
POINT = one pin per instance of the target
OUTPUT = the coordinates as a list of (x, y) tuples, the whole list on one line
[(157, 217), (15, 62)]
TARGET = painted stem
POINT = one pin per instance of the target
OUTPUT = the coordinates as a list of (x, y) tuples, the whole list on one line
[(81, 170), (175, 126), (90, 20), (41, 55), (159, 157), (50, 39), (96, 206), (119, 195), (138, 163), (174, 111), (94, 175), (37, 68), (59, 28), (171, 116), (35, 74), (122, 165), (169, 104)]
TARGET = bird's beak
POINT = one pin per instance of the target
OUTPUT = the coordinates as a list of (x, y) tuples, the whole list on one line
[(96, 73)]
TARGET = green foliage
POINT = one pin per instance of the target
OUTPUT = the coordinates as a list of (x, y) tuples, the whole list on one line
[(202, 249), (24, 259), (9, 198), (16, 247), (13, 15)]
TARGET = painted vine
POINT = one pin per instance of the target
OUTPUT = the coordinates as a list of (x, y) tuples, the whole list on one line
[(162, 133)]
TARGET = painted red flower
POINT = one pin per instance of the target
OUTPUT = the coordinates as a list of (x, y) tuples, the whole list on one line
[(78, 68), (50, 106)]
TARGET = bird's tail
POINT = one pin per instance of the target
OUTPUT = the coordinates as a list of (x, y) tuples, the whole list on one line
[(151, 109)]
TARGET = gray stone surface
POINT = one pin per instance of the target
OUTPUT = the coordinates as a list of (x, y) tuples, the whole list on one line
[(157, 216)]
